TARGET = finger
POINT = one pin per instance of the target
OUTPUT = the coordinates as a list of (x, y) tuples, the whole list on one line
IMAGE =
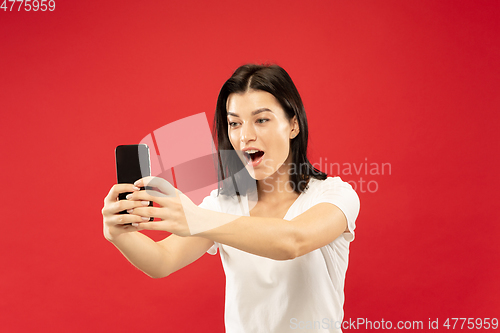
[(155, 192), (120, 219), (160, 225), (164, 186), (117, 189), (149, 212), (149, 195), (121, 205)]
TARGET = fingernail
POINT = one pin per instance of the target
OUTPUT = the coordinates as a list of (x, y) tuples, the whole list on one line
[(145, 218), (135, 224), (137, 182), (130, 211), (128, 196), (145, 203), (136, 188)]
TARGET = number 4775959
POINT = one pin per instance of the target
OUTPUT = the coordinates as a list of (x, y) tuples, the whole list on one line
[(471, 323), (28, 5)]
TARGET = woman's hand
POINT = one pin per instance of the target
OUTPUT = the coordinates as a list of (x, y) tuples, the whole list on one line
[(115, 224), (172, 210)]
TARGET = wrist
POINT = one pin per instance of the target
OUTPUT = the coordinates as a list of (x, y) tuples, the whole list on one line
[(112, 234), (205, 222)]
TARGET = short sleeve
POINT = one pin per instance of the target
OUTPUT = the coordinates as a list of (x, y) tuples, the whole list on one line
[(211, 203), (342, 195)]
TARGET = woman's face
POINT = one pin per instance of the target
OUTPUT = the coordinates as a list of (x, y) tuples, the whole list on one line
[(256, 120)]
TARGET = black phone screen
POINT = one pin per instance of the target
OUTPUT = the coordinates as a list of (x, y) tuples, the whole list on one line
[(132, 164)]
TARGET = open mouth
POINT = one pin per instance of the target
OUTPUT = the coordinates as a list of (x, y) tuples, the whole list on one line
[(253, 156)]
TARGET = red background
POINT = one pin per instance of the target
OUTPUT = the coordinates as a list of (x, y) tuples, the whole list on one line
[(410, 83)]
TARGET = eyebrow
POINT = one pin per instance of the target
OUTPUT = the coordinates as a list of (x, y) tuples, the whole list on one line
[(253, 112)]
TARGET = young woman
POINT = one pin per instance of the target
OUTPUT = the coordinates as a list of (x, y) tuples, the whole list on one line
[(284, 242)]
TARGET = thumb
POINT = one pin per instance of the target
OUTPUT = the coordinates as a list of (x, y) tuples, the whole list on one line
[(161, 184)]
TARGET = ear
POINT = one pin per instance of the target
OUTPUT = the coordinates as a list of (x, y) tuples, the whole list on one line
[(294, 124)]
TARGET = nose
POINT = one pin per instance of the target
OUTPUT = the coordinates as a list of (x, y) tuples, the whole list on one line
[(247, 133)]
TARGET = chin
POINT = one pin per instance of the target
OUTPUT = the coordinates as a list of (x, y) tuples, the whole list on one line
[(256, 175)]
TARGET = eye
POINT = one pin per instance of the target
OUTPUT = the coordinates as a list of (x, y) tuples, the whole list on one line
[(264, 120), (232, 124)]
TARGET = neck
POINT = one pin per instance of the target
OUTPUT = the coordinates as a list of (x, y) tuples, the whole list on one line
[(277, 187)]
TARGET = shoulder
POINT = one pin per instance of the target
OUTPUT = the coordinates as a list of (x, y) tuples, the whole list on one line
[(329, 184), (211, 201), (338, 192), (220, 202)]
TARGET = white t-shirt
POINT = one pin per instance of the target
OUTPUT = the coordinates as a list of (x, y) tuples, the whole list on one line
[(305, 294)]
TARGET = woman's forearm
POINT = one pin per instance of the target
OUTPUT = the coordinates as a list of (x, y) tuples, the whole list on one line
[(143, 253), (267, 237), (277, 238)]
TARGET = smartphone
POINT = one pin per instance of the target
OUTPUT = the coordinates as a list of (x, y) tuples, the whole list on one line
[(132, 164)]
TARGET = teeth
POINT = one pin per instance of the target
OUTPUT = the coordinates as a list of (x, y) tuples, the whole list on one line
[(251, 151)]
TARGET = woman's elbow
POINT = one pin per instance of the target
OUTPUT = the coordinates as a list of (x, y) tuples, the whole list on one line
[(157, 274), (298, 246), (289, 249)]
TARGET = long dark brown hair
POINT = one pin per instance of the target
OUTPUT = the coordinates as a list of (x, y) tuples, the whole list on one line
[(276, 81)]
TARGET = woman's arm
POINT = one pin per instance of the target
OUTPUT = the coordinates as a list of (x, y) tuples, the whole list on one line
[(268, 237), (281, 239), (156, 259), (160, 259)]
